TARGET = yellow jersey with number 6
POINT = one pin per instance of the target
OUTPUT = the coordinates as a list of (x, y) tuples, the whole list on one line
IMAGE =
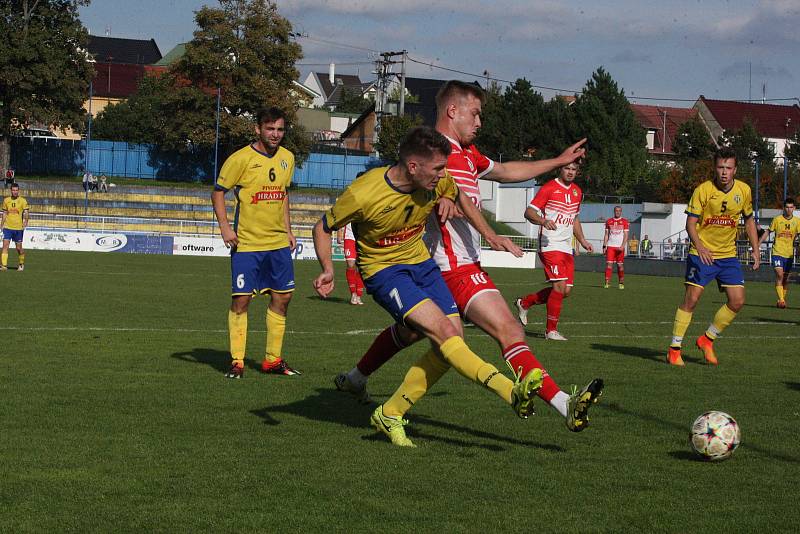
[(259, 184), (387, 223), (785, 232), (718, 216)]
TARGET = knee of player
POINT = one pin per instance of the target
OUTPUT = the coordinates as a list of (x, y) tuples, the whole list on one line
[(407, 336), (448, 328), (736, 303)]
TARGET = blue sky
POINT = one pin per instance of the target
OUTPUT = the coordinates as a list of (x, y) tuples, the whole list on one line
[(669, 49)]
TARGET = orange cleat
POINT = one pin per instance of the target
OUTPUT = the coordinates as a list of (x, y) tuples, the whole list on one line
[(706, 344), (781, 304), (674, 357)]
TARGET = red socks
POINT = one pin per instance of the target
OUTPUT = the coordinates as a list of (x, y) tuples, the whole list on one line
[(536, 298), (554, 301), (519, 355), (608, 273), (381, 351)]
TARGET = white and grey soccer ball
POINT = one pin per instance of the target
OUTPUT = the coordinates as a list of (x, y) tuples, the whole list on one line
[(715, 435)]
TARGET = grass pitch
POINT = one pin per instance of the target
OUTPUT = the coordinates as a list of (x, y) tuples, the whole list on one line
[(116, 416)]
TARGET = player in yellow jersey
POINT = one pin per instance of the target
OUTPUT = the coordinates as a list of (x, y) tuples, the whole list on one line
[(388, 208), (261, 238), (13, 221), (785, 227), (712, 216)]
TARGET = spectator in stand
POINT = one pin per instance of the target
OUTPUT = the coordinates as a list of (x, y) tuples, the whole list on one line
[(92, 182), (647, 246), (633, 245), (86, 177), (103, 183), (669, 249), (9, 178)]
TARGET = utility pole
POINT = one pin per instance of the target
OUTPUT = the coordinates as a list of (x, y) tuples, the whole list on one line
[(384, 70), (403, 84)]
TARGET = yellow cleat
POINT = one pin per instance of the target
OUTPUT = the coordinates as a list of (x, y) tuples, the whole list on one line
[(391, 426), (525, 391), (579, 404)]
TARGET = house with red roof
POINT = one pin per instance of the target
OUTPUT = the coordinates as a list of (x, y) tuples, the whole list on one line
[(661, 124), (775, 123)]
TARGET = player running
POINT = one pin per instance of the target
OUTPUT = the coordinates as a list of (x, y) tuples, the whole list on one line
[(711, 219), (13, 221), (388, 207), (261, 239), (354, 282), (614, 239), (455, 247), (785, 227), (555, 208)]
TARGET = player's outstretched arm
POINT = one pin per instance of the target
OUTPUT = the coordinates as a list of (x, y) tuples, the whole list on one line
[(519, 171), (323, 283), (228, 235), (476, 219)]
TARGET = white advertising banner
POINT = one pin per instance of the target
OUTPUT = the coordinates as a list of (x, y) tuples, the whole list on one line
[(496, 258), (199, 246), (76, 241)]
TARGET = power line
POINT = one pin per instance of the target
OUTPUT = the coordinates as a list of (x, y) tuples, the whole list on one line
[(337, 64), (334, 43)]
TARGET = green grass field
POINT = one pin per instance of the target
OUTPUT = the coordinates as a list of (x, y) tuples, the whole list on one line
[(116, 416)]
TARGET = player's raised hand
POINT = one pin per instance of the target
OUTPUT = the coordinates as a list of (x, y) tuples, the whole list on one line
[(323, 284), (229, 237), (505, 244), (573, 152), (447, 209)]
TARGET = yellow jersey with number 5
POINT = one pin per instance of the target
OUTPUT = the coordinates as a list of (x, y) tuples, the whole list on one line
[(259, 184), (718, 215), (387, 223), (785, 232)]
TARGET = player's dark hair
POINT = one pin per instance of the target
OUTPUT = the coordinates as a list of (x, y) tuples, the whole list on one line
[(788, 201), (270, 115), (15, 184), (456, 88), (422, 142), (725, 152)]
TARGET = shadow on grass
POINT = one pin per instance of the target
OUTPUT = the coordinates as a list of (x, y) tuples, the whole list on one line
[(331, 406), (217, 359), (793, 385), (771, 320), (688, 456), (639, 352), (615, 407), (336, 300)]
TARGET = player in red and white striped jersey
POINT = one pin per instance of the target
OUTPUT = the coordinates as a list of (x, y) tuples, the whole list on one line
[(614, 240), (348, 241), (455, 246), (555, 209)]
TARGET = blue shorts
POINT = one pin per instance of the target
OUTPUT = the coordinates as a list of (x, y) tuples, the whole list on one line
[(779, 262), (401, 288), (262, 272), (13, 235), (726, 271)]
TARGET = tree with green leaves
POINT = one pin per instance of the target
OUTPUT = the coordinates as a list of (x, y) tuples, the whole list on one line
[(393, 130), (512, 123), (616, 147), (792, 150), (748, 145), (352, 102), (693, 141), (44, 72), (244, 50)]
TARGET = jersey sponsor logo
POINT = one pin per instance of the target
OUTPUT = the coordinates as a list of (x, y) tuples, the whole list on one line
[(737, 199), (563, 219), (267, 196), (284, 164), (386, 210), (400, 236), (256, 166), (720, 221)]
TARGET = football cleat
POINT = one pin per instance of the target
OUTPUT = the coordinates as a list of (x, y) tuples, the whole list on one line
[(524, 391), (781, 304), (343, 383), (674, 357), (236, 370), (391, 426), (3, 268), (622, 286), (359, 301), (580, 402), (21, 267), (353, 299), (522, 313), (278, 368), (605, 286), (706, 345), (554, 335)]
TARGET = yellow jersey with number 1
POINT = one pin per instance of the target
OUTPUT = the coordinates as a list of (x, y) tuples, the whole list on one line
[(718, 216), (785, 232), (387, 223), (259, 184)]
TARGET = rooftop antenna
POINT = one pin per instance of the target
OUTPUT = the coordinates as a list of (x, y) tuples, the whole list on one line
[(108, 31), (764, 92)]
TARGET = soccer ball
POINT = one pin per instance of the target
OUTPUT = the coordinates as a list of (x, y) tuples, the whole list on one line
[(714, 436)]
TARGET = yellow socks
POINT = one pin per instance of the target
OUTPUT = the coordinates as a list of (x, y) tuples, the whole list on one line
[(4, 259), (781, 293), (237, 330), (679, 327), (22, 259), (276, 327), (469, 364), (722, 319), (419, 379)]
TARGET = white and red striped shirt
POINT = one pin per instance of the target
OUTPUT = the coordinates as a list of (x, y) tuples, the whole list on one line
[(348, 233), (561, 204), (616, 231), (456, 243)]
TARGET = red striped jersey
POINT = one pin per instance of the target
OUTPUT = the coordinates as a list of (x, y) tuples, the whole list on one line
[(456, 242), (616, 231), (558, 203)]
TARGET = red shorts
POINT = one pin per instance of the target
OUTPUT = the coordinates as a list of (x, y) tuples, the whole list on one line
[(615, 254), (349, 249), (558, 266), (466, 283)]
